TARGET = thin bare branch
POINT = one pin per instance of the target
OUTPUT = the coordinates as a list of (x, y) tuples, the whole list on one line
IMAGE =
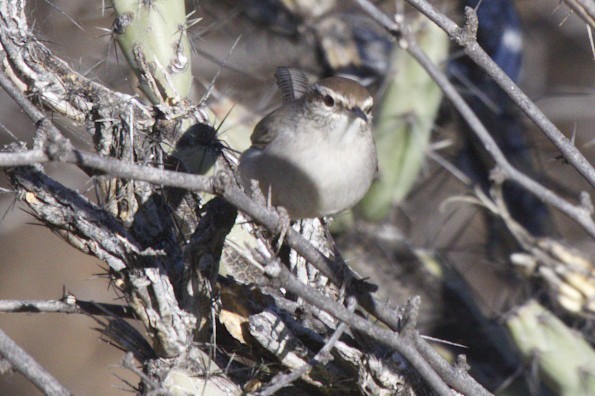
[(465, 37), (402, 344), (53, 147), (585, 9), (322, 357), (26, 365), (67, 305), (579, 213), (224, 185)]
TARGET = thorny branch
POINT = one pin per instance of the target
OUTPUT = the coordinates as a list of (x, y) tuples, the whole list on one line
[(401, 343), (322, 357), (28, 66), (583, 213), (67, 305), (51, 146), (465, 37), (47, 78), (224, 186)]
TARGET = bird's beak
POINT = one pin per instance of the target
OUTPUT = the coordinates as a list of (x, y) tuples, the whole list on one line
[(359, 113)]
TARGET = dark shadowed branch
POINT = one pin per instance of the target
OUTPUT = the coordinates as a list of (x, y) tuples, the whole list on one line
[(281, 380), (461, 382)]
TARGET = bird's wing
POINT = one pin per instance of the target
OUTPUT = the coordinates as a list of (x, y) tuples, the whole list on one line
[(264, 132)]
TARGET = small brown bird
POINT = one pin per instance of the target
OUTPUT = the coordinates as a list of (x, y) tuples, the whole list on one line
[(315, 155)]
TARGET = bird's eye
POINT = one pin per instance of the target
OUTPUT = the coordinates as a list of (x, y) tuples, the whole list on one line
[(328, 100)]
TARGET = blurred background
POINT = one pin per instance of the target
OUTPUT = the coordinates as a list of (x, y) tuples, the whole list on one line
[(242, 42)]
